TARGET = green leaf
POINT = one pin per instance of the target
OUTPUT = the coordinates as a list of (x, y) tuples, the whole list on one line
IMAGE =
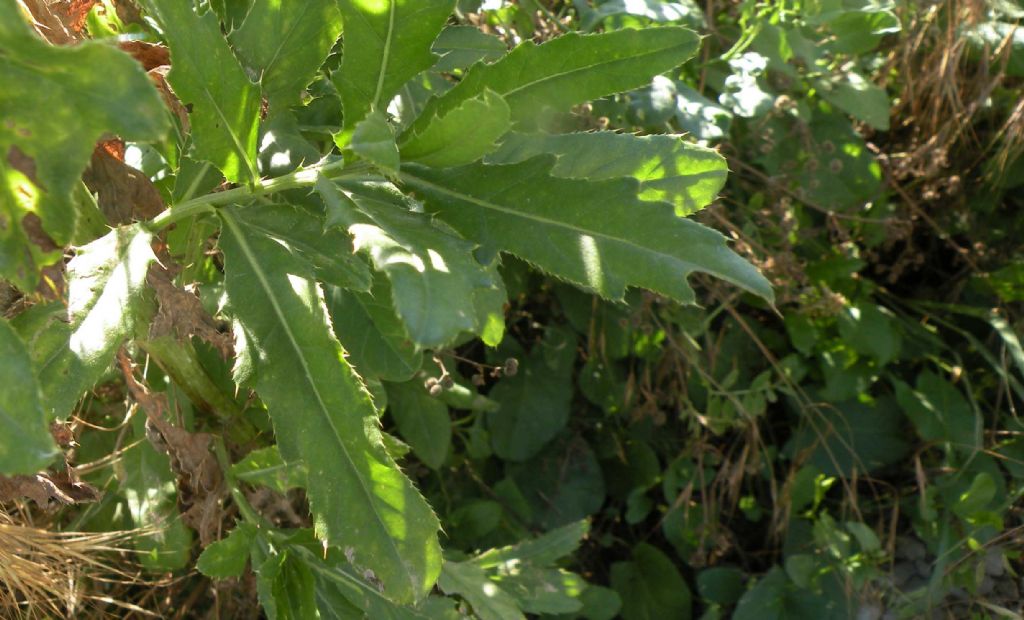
[(340, 588), (386, 43), (206, 75), (852, 435), (373, 139), (471, 583), (461, 46), (105, 281), (422, 420), (938, 411), (436, 282), (535, 402), (56, 102), (596, 234), (265, 467), (859, 98), (544, 550), (285, 45), (106, 286), (979, 495), (568, 70), (721, 584), (544, 590), (766, 600), (371, 332), (463, 135), (562, 484), (668, 168), (600, 603), (298, 229), (651, 587), (323, 415), (25, 443), (870, 330), (286, 587), (227, 557)]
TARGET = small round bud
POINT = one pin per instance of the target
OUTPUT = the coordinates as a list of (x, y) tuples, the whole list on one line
[(430, 383), (436, 389), (511, 367), (446, 381)]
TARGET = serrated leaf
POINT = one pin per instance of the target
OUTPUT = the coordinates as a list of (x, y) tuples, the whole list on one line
[(435, 279), (544, 550), (106, 285), (341, 588), (568, 70), (55, 103), (470, 582), (463, 135), (596, 234), (227, 557), (422, 420), (329, 252), (386, 43), (206, 75), (105, 280), (373, 139), (323, 415), (286, 588), (461, 46), (371, 332), (545, 590), (25, 442), (669, 169), (285, 45), (266, 467)]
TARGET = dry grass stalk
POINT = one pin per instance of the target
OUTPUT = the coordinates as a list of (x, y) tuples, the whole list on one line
[(46, 574)]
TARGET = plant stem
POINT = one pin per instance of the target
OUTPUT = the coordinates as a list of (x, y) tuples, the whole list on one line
[(248, 513), (303, 177), (180, 362)]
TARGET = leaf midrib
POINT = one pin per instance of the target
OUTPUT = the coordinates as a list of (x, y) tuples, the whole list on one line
[(588, 68), (536, 218)]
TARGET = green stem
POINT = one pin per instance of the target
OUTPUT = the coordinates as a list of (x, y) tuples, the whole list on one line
[(248, 513), (180, 362), (303, 177)]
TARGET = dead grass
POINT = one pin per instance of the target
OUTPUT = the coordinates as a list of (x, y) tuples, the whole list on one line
[(47, 574)]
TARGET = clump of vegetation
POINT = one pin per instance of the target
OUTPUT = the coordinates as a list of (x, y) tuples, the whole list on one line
[(421, 309)]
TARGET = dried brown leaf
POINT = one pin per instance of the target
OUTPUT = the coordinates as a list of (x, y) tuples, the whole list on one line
[(181, 314)]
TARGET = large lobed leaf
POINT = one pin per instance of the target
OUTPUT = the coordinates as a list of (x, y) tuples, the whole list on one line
[(669, 169), (55, 103), (286, 44), (568, 70), (206, 76), (596, 234), (387, 42), (323, 415)]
